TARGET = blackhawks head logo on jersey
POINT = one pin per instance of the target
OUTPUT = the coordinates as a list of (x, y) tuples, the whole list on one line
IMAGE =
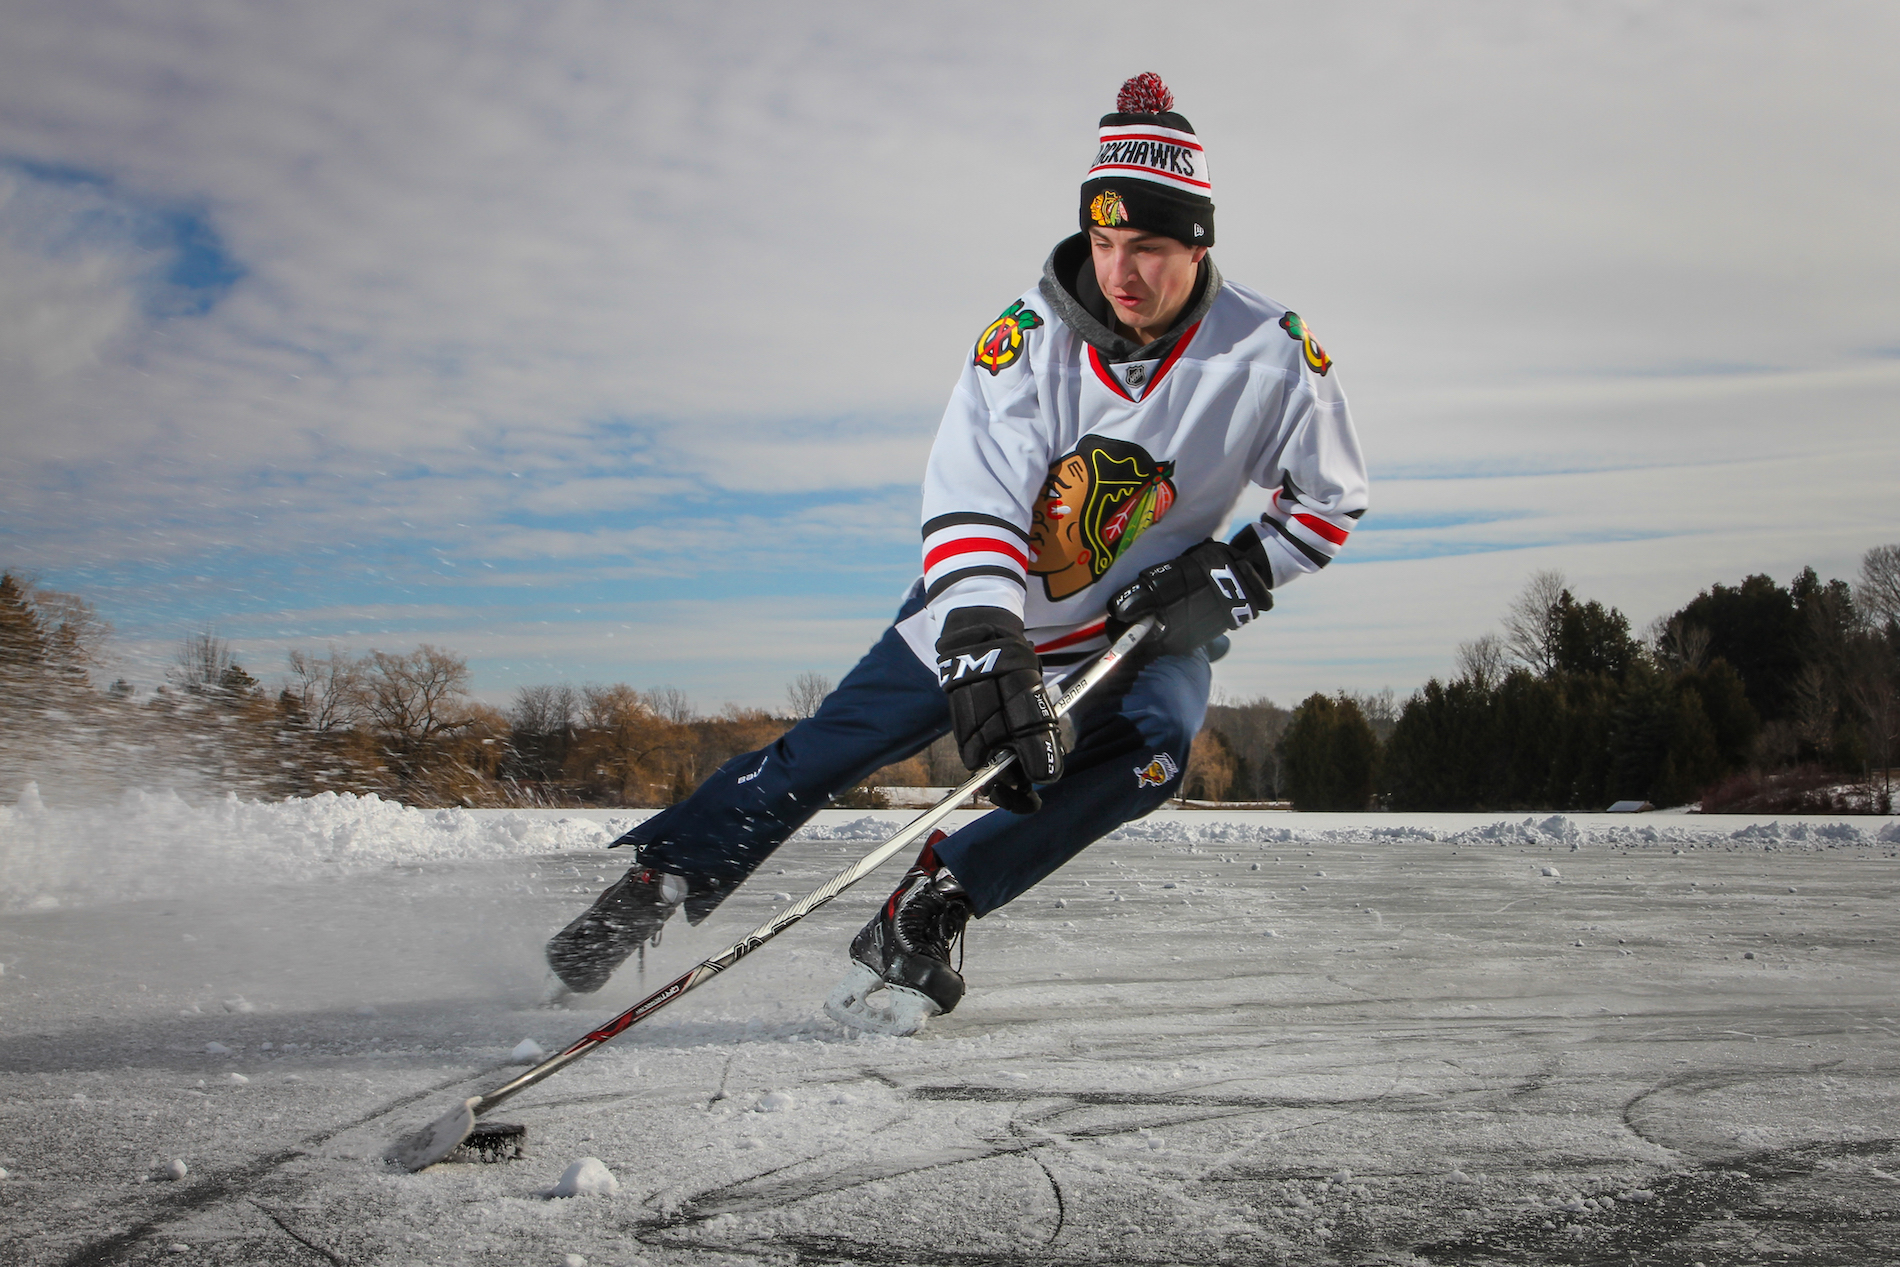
[(1002, 340), (1096, 501), (1316, 358)]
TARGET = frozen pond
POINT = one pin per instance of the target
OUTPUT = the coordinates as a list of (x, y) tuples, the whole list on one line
[(1245, 1038)]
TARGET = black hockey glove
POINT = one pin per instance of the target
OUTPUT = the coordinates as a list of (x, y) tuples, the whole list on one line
[(994, 682), (1199, 595)]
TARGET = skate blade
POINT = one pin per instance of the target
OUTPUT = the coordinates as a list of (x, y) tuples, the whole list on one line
[(427, 1145), (865, 1001)]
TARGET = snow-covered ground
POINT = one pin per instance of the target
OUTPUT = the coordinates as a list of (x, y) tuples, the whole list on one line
[(1215, 1037)]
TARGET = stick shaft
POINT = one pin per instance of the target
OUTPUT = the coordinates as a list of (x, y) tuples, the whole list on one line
[(704, 971)]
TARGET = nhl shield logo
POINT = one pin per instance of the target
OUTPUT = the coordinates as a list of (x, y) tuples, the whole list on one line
[(1157, 772)]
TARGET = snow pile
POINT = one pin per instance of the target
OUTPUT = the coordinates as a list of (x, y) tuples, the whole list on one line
[(154, 845), (588, 1176), (1562, 831), (158, 844)]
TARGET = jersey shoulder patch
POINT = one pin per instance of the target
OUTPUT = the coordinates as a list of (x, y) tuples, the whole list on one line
[(1002, 341), (1316, 358)]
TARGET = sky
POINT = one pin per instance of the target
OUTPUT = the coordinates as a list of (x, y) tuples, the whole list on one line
[(606, 342)]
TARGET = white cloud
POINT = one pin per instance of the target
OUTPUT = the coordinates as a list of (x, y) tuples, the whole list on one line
[(569, 295)]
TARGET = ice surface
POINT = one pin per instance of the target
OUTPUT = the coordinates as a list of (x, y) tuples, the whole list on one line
[(1136, 1075)]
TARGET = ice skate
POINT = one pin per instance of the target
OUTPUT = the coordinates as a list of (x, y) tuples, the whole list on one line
[(628, 916), (901, 974)]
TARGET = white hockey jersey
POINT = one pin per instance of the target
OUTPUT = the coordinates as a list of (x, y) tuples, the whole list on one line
[(1059, 472)]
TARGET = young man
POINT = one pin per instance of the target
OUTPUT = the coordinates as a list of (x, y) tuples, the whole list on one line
[(1095, 445)]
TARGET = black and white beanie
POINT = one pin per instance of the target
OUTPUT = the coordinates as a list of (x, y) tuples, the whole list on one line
[(1150, 173)]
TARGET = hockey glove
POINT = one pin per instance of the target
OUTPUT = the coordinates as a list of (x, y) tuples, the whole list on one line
[(1198, 595), (991, 675)]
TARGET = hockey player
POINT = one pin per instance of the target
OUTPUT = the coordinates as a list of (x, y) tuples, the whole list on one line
[(1103, 428)]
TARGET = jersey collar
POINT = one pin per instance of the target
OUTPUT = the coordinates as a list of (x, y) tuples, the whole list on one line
[(1133, 380)]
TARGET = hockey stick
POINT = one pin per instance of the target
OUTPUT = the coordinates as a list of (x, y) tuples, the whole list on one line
[(430, 1144)]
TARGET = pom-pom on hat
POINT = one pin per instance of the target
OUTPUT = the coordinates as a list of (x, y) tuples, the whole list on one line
[(1150, 172)]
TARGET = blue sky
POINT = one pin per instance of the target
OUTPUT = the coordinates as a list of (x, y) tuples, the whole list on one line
[(606, 342)]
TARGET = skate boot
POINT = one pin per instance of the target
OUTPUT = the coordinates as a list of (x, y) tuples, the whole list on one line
[(626, 917), (901, 974)]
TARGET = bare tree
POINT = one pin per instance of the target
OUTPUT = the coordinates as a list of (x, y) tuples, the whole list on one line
[(1531, 622), (806, 692), (202, 663), (1210, 768), (1814, 705), (671, 703), (545, 709), (623, 741), (1871, 687), (75, 633), (1380, 709), (328, 689), (1878, 593), (1481, 661), (419, 695), (1677, 645)]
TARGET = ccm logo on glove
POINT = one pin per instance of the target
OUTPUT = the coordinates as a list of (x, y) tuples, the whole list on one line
[(993, 681), (954, 670), (1198, 595)]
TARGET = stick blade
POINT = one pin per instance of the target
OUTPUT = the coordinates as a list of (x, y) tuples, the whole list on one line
[(427, 1145)]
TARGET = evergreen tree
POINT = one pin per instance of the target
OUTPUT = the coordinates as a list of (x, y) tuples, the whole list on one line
[(1528, 733), (1755, 627), (1329, 754), (1441, 747), (22, 636), (1731, 717), (1593, 639)]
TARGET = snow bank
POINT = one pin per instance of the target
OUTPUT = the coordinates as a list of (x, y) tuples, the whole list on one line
[(157, 844), (1552, 831), (151, 845)]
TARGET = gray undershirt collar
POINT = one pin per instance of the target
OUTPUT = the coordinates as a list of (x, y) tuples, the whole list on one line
[(1068, 284)]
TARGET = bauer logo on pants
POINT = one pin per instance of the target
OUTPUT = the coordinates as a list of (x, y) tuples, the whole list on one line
[(1002, 340), (1157, 771)]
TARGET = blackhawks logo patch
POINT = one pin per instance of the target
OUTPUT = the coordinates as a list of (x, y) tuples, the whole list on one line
[(1002, 340), (1108, 210), (1095, 503), (1157, 771), (1316, 358)]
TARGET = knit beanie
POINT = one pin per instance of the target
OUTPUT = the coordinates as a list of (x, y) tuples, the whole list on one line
[(1150, 173)]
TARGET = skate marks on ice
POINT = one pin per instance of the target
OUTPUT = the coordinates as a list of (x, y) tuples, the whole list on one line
[(1253, 1194), (249, 1203)]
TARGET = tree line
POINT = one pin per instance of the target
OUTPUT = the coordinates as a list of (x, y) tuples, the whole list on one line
[(402, 725), (1750, 697)]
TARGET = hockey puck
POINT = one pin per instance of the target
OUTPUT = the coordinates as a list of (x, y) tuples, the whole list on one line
[(491, 1141)]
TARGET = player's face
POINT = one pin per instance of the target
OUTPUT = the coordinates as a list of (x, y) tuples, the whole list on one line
[(1146, 277)]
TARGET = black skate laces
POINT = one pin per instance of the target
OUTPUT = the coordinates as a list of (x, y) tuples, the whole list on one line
[(931, 916)]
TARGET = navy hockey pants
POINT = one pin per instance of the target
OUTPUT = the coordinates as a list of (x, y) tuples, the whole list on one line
[(1132, 737)]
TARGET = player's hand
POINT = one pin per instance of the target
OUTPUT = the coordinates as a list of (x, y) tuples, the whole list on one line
[(1198, 595), (990, 673)]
